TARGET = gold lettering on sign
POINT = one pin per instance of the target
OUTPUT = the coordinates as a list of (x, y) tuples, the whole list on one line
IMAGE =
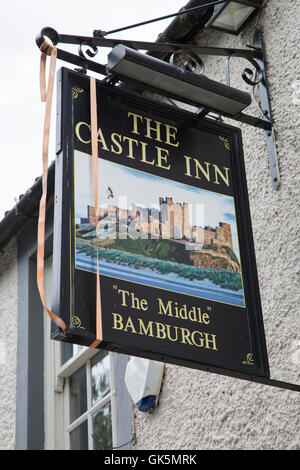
[(173, 309), (165, 332), (134, 147), (211, 172), (152, 129)]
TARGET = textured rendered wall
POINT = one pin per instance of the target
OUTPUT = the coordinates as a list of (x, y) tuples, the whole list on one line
[(198, 410), (8, 344)]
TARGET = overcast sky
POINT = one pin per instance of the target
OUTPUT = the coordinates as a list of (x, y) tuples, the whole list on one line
[(22, 113)]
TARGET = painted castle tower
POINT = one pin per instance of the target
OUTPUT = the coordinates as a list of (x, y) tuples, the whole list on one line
[(171, 220)]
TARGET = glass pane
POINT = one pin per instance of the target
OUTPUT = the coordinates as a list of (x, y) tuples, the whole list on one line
[(233, 16), (100, 376), (79, 437), (66, 352), (102, 428), (78, 394)]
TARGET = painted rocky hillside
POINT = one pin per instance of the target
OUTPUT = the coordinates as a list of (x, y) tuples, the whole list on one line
[(213, 256)]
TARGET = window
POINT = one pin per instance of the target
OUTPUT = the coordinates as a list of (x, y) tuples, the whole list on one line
[(88, 399)]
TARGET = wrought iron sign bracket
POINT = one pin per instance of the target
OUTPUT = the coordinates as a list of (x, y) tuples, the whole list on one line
[(255, 55), (266, 111)]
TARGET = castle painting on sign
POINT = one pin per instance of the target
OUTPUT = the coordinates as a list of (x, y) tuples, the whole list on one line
[(157, 232)]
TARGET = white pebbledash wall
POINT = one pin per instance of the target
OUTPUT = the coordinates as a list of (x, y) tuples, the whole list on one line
[(200, 410), (8, 344)]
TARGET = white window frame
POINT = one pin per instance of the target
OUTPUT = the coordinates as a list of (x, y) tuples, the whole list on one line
[(83, 358)]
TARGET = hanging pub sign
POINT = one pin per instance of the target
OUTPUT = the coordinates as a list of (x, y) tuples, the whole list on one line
[(177, 268)]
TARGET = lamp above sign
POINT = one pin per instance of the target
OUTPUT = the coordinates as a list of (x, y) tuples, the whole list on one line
[(124, 62), (177, 264)]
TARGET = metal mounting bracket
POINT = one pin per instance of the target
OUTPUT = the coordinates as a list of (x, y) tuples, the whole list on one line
[(266, 110), (255, 55)]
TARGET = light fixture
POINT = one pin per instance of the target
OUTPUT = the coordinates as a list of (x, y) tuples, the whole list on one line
[(233, 16), (183, 85), (124, 62)]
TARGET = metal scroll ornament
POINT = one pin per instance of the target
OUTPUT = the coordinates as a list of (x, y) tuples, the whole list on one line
[(90, 51), (191, 63), (247, 74)]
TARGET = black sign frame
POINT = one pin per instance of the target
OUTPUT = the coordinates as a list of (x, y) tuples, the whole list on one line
[(73, 92)]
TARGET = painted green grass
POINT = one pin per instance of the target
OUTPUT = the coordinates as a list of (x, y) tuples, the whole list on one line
[(225, 279)]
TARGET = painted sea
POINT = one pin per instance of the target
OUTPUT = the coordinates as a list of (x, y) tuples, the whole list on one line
[(205, 289)]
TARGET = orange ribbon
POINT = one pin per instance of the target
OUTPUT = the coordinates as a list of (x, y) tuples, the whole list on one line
[(46, 96), (94, 136)]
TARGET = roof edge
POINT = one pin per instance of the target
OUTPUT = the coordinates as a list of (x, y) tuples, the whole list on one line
[(27, 208)]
